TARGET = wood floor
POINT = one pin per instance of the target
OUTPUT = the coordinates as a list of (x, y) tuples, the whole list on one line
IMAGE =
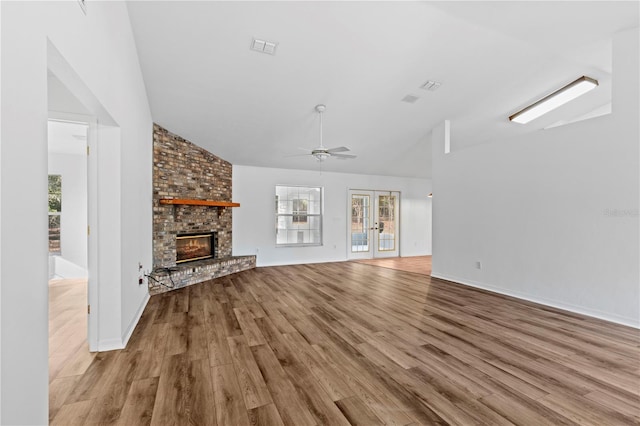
[(346, 343), (415, 264), (68, 350)]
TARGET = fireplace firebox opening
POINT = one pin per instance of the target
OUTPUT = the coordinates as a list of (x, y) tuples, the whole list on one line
[(191, 247)]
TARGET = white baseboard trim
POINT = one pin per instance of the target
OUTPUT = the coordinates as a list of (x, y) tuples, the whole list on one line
[(298, 262), (110, 345), (115, 344), (630, 322), (134, 322)]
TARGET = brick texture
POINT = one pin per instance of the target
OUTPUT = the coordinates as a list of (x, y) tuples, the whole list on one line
[(198, 271)]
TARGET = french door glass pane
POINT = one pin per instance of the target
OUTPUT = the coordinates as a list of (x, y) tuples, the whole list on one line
[(360, 205), (386, 223)]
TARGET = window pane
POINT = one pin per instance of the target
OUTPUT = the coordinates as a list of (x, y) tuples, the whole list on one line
[(360, 205), (285, 222), (386, 212), (315, 207), (54, 234), (281, 237), (315, 222), (299, 210), (281, 192), (55, 193), (314, 194), (55, 207), (292, 192), (292, 237)]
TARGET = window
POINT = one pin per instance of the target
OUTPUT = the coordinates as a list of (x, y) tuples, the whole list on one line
[(298, 216), (55, 208)]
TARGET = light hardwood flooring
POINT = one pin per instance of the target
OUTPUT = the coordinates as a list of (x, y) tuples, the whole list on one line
[(69, 355), (68, 350), (415, 264), (346, 343)]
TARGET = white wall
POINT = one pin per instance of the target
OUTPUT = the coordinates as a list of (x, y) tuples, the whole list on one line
[(553, 215), (73, 219), (1, 275), (61, 100), (254, 220), (100, 49)]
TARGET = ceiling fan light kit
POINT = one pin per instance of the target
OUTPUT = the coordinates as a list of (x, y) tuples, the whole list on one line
[(321, 153)]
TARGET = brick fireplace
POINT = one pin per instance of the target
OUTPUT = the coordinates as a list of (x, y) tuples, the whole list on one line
[(182, 170)]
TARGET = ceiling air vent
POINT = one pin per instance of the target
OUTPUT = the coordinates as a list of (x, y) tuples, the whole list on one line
[(431, 86), (264, 46), (410, 99)]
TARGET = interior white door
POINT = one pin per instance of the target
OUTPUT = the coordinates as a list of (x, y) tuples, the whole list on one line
[(373, 224)]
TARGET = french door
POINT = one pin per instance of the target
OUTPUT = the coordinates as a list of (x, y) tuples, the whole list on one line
[(374, 224)]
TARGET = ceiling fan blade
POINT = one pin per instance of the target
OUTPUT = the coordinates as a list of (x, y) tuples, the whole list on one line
[(338, 149), (305, 149), (343, 156)]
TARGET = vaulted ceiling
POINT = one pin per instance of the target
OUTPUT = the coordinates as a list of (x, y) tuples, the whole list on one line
[(361, 59)]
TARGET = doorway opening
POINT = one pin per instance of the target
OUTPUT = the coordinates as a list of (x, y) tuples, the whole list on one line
[(374, 224), (68, 247)]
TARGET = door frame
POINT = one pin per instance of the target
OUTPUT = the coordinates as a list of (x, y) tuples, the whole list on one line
[(373, 236), (92, 219)]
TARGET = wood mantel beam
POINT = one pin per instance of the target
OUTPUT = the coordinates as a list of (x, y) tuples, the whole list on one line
[(194, 202)]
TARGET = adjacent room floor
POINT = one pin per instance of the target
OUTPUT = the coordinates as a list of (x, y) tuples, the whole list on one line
[(69, 355), (415, 264), (347, 343)]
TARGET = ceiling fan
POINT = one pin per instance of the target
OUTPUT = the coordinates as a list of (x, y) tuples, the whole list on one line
[(321, 153)]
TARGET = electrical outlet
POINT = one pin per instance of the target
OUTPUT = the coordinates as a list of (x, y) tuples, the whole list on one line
[(478, 265)]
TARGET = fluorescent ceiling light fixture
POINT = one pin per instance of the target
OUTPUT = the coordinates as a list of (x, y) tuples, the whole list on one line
[(559, 97)]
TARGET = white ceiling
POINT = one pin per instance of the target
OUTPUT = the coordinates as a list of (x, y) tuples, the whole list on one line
[(361, 59)]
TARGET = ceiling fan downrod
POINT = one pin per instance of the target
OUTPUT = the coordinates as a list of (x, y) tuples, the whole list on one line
[(320, 108)]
